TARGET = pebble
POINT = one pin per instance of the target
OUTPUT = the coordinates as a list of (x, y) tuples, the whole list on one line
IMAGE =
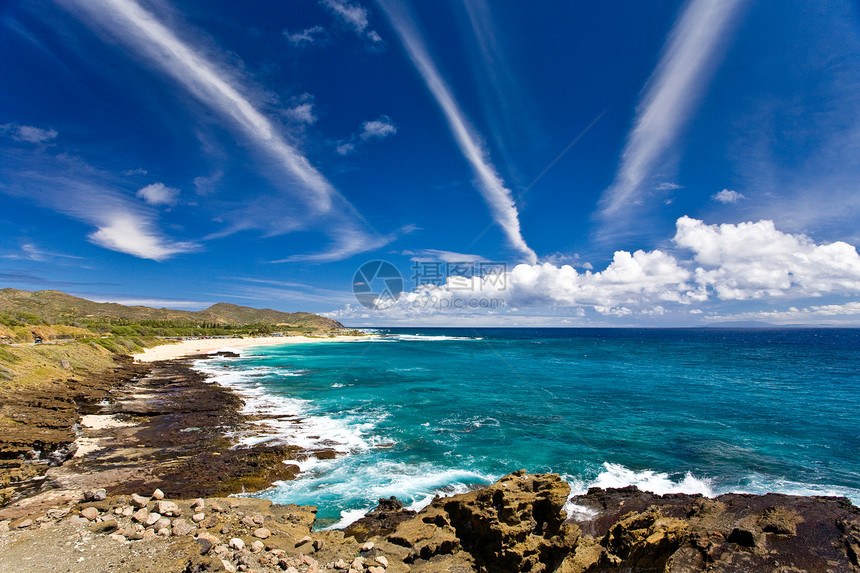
[(162, 523), (318, 544), (164, 532), (226, 528), (139, 500), (382, 560), (367, 546), (375, 569), (248, 521), (118, 537), (28, 522), (198, 503), (257, 546), (90, 513), (181, 527), (158, 494), (99, 495), (198, 517), (128, 511), (168, 508), (152, 519), (209, 522), (303, 540), (237, 544), (340, 564), (140, 515), (262, 533), (228, 566), (259, 519)]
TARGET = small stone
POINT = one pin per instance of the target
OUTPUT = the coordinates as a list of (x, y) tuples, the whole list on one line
[(139, 501), (118, 537), (99, 495), (198, 503), (167, 508), (259, 519), (237, 544), (152, 519), (382, 560), (341, 564), (209, 522), (205, 545), (164, 532), (303, 540), (257, 546), (28, 522), (106, 526), (217, 508), (78, 520), (140, 515), (181, 527), (248, 521), (161, 523), (198, 517), (149, 534), (127, 511), (228, 566), (262, 533), (375, 569), (158, 494), (318, 544), (90, 513), (226, 528), (367, 546)]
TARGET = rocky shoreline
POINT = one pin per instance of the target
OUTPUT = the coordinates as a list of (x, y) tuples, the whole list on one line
[(144, 488)]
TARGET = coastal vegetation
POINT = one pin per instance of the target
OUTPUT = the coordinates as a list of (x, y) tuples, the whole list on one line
[(46, 335)]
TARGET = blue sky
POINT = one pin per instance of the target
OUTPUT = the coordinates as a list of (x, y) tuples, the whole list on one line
[(614, 163)]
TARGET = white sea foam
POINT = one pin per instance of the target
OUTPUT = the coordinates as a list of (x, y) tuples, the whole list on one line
[(285, 420), (660, 483), (430, 337)]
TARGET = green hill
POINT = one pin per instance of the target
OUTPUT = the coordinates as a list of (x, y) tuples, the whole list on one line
[(55, 307)]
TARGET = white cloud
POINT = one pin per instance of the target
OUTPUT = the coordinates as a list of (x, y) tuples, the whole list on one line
[(131, 234), (755, 260), (305, 37), (670, 94), (490, 184), (378, 128), (345, 148), (205, 184), (355, 16), (128, 22), (302, 113), (727, 196), (137, 171), (430, 255), (29, 133), (834, 314), (158, 194), (668, 186)]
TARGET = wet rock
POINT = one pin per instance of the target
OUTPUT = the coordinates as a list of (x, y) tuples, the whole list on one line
[(382, 521)]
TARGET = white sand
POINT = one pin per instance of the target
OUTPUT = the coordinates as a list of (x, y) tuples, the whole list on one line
[(207, 345)]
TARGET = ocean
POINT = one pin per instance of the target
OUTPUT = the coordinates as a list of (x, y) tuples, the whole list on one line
[(413, 413)]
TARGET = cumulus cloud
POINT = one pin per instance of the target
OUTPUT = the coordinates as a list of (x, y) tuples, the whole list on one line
[(726, 262), (754, 260), (379, 128), (302, 113), (353, 15), (131, 234), (305, 37), (158, 194), (28, 133), (727, 196)]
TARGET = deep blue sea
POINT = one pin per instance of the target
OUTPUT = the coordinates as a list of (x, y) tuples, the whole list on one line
[(416, 412)]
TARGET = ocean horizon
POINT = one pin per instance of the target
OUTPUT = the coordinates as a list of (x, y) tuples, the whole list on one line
[(419, 412)]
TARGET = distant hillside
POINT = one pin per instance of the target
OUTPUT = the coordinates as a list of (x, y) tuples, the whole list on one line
[(55, 307)]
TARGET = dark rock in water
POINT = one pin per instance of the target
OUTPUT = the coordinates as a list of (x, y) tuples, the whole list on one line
[(225, 354), (383, 520)]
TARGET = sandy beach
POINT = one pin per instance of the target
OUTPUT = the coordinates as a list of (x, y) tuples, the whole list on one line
[(206, 345)]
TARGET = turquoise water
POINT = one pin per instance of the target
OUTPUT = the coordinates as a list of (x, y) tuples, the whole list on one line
[(418, 412)]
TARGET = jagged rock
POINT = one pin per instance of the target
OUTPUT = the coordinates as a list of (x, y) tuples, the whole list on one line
[(140, 515), (139, 501), (157, 494), (382, 521), (181, 527), (167, 508)]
